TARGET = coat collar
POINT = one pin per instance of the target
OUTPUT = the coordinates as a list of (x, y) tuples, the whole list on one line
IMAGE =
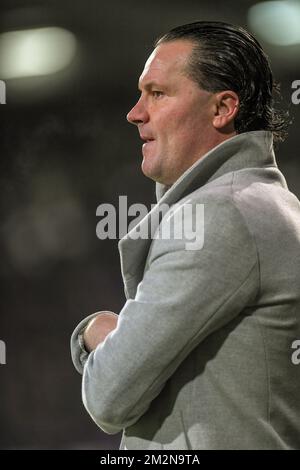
[(248, 150)]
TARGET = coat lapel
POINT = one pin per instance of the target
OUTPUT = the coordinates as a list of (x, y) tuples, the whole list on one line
[(242, 151)]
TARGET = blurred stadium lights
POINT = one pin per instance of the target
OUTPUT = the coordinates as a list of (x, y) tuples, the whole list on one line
[(277, 22), (36, 52)]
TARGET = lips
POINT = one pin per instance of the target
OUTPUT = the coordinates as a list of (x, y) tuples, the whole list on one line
[(148, 144), (147, 138)]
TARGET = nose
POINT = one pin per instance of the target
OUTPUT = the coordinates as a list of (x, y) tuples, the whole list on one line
[(138, 114)]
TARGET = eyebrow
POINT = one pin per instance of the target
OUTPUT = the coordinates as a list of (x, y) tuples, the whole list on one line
[(149, 85)]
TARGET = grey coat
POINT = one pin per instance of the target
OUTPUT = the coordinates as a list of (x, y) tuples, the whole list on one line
[(202, 354)]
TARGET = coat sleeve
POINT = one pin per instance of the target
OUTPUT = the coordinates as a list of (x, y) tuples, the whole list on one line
[(184, 296), (78, 352)]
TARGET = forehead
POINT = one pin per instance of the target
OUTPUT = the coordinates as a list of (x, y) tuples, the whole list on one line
[(167, 60)]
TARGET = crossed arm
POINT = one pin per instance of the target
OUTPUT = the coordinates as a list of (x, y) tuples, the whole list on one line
[(184, 296)]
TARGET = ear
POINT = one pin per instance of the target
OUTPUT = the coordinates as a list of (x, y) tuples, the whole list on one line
[(226, 108)]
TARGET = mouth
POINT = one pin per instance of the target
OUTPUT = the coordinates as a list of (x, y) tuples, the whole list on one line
[(146, 138), (147, 143)]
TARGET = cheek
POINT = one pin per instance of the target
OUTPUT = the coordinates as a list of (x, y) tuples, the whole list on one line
[(193, 124), (185, 127), (182, 124), (173, 125)]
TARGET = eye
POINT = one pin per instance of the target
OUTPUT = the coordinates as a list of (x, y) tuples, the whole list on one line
[(157, 93)]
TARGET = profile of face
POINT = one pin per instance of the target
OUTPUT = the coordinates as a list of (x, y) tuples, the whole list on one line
[(177, 120)]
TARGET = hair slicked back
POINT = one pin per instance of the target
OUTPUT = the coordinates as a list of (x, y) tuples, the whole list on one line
[(227, 57)]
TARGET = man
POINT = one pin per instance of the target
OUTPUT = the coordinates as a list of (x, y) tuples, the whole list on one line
[(200, 356)]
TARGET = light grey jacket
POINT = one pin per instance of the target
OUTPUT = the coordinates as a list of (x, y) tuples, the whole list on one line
[(202, 354)]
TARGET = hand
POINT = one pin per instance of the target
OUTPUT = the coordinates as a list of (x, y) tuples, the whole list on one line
[(98, 328)]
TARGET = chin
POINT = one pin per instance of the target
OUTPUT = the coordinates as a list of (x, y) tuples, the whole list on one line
[(149, 171)]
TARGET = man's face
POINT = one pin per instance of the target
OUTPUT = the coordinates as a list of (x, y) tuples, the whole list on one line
[(173, 115)]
